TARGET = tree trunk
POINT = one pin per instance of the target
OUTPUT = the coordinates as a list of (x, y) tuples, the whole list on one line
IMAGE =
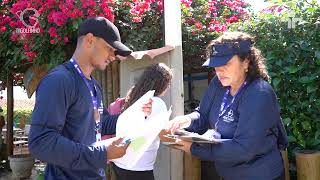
[(9, 137)]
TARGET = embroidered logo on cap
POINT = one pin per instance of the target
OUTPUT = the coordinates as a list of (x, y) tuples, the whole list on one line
[(214, 52)]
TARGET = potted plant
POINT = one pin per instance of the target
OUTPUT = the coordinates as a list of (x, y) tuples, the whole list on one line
[(21, 165)]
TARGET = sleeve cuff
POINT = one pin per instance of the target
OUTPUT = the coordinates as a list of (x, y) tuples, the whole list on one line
[(193, 115), (103, 157), (194, 149)]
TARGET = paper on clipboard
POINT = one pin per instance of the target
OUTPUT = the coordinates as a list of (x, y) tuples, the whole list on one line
[(206, 138)]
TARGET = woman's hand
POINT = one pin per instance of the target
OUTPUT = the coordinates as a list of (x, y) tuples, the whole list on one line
[(147, 108), (177, 123), (183, 145)]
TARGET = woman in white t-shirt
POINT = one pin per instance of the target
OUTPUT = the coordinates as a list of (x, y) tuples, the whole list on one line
[(155, 77)]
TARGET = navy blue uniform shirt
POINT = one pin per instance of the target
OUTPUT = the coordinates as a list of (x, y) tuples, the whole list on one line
[(62, 127), (252, 153)]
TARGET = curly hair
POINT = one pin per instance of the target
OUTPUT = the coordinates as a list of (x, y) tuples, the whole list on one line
[(155, 77), (257, 67)]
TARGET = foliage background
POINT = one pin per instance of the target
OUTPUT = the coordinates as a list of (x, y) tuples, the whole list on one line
[(140, 23)]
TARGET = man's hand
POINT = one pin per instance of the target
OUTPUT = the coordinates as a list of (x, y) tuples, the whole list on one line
[(116, 148), (147, 108), (164, 138)]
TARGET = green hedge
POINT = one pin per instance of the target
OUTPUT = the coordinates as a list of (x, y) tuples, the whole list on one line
[(18, 114), (293, 59)]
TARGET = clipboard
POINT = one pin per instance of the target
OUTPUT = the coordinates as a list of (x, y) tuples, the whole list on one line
[(195, 137)]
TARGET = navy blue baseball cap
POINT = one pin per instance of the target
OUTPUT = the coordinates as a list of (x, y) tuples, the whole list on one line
[(103, 28), (223, 52)]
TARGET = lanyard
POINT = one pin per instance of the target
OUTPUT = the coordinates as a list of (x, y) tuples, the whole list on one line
[(224, 106), (94, 100)]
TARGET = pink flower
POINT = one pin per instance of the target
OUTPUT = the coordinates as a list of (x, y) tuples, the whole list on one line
[(70, 4), (41, 10), (7, 19), (31, 54), (59, 18), (160, 7), (14, 37), (223, 28), (26, 47), (211, 27), (12, 24), (19, 6), (193, 32), (79, 13), (232, 19), (51, 3), (191, 21), (3, 29), (65, 39), (32, 21), (19, 24), (50, 17), (52, 41), (186, 3), (198, 25), (53, 32), (136, 19), (72, 15), (108, 14)]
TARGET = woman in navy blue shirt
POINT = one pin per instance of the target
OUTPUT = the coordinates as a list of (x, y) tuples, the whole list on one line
[(239, 105)]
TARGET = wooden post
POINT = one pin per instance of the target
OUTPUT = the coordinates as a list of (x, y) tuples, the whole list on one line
[(115, 80), (192, 167), (308, 165), (9, 137), (286, 163)]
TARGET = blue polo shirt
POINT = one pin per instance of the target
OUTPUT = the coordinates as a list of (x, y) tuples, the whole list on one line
[(62, 128), (252, 153)]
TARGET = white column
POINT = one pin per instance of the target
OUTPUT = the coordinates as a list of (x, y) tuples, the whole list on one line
[(173, 37)]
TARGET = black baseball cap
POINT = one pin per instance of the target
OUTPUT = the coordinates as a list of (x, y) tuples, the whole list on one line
[(103, 28), (221, 53)]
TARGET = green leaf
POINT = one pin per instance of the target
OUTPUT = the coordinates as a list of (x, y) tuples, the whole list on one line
[(311, 88), (286, 121), (293, 69), (317, 134), (304, 79), (276, 82), (318, 61), (306, 125), (292, 139), (317, 54)]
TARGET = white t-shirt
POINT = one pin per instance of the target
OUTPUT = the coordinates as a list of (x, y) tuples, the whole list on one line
[(148, 159)]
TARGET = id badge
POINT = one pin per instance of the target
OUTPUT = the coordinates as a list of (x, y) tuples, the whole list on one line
[(98, 136)]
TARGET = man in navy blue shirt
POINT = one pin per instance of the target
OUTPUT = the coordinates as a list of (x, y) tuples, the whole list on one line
[(69, 116)]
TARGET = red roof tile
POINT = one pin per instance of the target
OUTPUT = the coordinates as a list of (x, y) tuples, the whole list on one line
[(152, 53)]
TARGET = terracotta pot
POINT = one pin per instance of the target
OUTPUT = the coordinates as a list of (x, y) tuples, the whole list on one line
[(21, 165)]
